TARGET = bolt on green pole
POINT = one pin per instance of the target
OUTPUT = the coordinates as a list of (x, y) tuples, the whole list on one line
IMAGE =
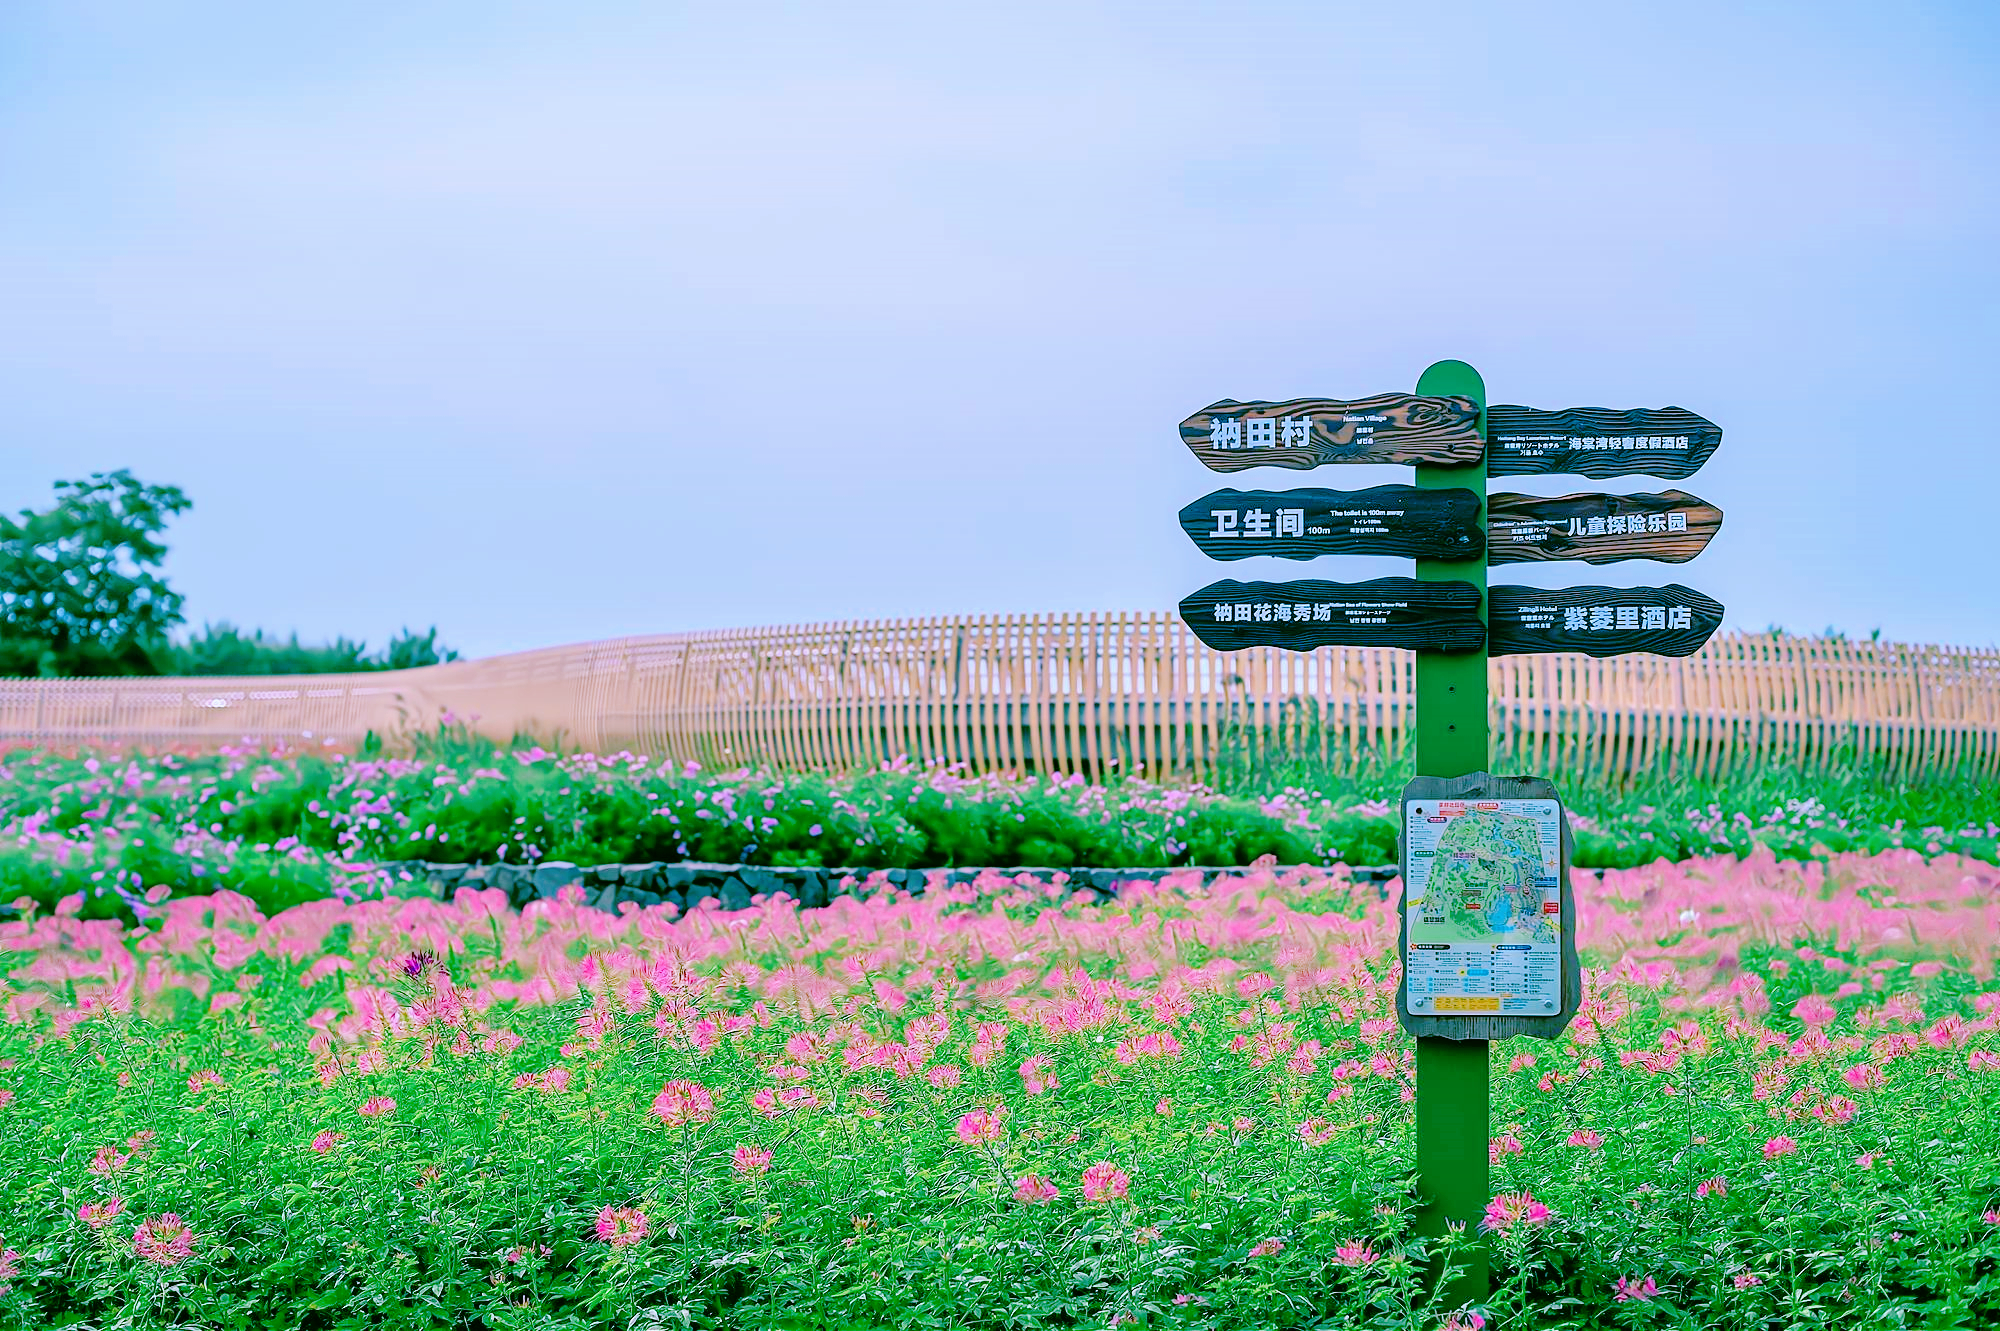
[(1451, 725)]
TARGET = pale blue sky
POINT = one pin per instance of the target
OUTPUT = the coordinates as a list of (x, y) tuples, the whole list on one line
[(549, 322)]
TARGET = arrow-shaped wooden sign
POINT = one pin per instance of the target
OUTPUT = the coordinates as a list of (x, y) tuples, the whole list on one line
[(1601, 621), (1595, 441), (1310, 431), (1384, 612), (1672, 527), (1300, 524)]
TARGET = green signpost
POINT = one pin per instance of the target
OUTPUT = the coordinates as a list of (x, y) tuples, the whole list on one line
[(1489, 924), (1452, 1091)]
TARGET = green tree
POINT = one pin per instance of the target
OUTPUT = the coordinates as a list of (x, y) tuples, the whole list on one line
[(78, 594), (224, 649), (407, 650)]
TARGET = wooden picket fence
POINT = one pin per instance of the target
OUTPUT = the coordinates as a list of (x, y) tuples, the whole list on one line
[(1089, 693)]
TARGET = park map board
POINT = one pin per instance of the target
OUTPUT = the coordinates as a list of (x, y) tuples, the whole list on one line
[(1483, 907)]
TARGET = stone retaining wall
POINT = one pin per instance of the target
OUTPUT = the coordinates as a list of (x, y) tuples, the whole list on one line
[(735, 886)]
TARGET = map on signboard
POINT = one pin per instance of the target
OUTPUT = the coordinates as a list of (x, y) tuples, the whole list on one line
[(1483, 906)]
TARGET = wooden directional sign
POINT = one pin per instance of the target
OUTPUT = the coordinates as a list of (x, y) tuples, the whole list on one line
[(1672, 527), (1601, 621), (1299, 524), (1384, 612), (1310, 431), (1594, 441)]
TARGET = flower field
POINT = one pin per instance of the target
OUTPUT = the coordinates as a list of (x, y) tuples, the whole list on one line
[(992, 1106), (289, 827)]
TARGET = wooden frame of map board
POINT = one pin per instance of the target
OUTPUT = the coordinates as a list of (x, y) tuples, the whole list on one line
[(1484, 786)]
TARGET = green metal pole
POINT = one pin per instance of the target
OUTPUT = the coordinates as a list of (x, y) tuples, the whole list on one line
[(1452, 1086)]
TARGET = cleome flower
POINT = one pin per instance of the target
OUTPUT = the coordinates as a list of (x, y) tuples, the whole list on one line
[(684, 1104), (621, 1226), (165, 1240), (1509, 1209), (1105, 1182), (1356, 1253), (981, 1125), (99, 1214)]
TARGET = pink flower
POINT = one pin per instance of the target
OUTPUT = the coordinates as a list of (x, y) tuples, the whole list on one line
[(1982, 1060), (6, 1098), (1642, 1291), (1587, 1138), (1356, 1254), (1242, 1123), (751, 1161), (326, 1141), (164, 1240), (1744, 1280), (1034, 1190), (376, 1106), (1165, 1108), (1504, 1145), (1104, 1182), (99, 1214), (1266, 1248), (1036, 1074), (621, 1226), (1990, 1216), (1863, 1077), (1867, 1159), (1316, 1132), (1813, 1010), (556, 1078), (109, 1159), (981, 1125), (9, 1268), (1712, 1187), (1839, 1109), (1514, 1208), (140, 1142), (684, 1104), (945, 1076), (1780, 1145), (1468, 1322), (204, 1079)]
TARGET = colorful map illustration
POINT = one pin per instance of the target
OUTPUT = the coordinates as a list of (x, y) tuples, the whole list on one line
[(1484, 907)]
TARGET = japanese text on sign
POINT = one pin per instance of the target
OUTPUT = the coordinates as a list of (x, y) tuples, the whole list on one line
[(1623, 443)]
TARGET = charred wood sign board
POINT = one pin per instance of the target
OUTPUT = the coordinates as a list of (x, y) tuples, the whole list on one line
[(1672, 527), (1309, 431), (1384, 612), (1602, 621), (1595, 441), (1300, 524)]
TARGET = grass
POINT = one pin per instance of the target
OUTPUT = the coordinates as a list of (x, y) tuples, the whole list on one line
[(995, 1108)]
